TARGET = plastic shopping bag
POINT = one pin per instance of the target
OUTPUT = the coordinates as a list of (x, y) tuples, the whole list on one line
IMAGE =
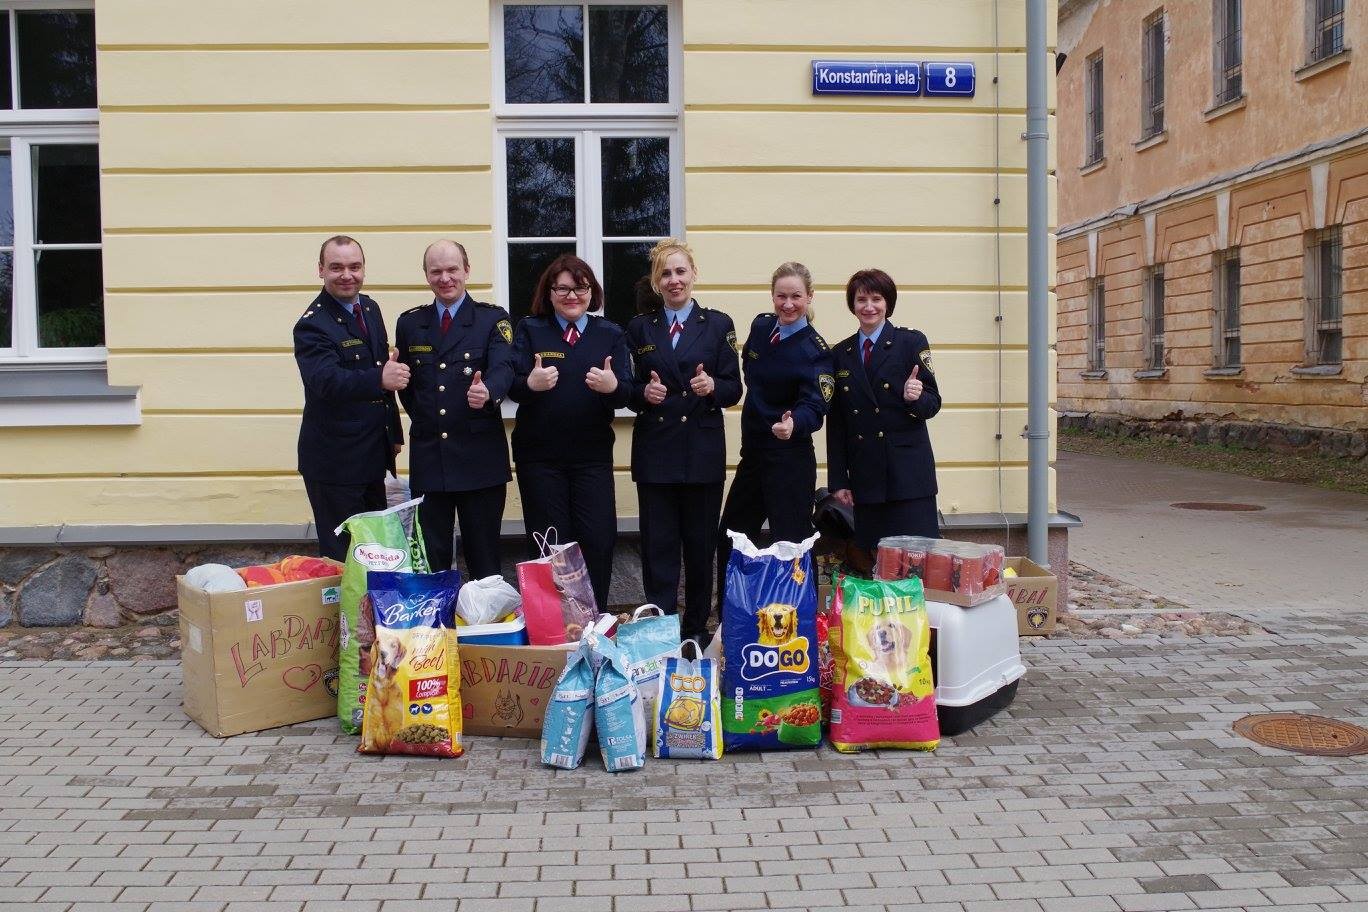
[(618, 715), (568, 721), (558, 600), (688, 708), (647, 641), (387, 540), (487, 601)]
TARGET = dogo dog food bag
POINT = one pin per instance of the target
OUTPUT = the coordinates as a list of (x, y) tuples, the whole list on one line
[(413, 693), (618, 716), (385, 540), (882, 691), (565, 730), (687, 719), (651, 637), (769, 638)]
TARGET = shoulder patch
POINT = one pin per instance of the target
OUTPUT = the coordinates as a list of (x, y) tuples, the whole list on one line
[(827, 384), (731, 339), (926, 360), (505, 329)]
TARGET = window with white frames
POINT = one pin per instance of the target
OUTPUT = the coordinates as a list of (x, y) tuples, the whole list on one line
[(587, 156), (51, 280)]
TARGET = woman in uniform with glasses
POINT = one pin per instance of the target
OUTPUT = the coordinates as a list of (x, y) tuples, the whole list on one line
[(572, 371)]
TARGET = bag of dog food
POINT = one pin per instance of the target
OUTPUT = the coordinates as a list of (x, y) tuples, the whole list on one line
[(769, 637), (688, 708), (646, 642), (618, 715), (568, 721), (413, 691), (882, 691), (386, 540)]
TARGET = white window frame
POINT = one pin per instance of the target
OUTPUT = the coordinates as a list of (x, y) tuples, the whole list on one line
[(588, 123), (1155, 318), (25, 129)]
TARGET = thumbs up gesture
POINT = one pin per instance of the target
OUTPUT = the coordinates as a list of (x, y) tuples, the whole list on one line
[(783, 428), (478, 394), (912, 389), (395, 374), (655, 390), (542, 378), (701, 384), (602, 379)]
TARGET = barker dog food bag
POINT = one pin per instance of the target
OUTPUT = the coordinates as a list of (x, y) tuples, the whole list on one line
[(769, 637), (386, 540), (882, 690), (687, 718), (618, 716), (565, 730), (413, 693), (646, 642)]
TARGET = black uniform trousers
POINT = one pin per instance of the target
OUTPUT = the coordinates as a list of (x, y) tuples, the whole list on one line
[(898, 517), (675, 516), (578, 500), (770, 484), (334, 503), (481, 516)]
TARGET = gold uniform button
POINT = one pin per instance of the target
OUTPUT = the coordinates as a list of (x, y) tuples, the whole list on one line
[(444, 435), (441, 411), (442, 366), (885, 386), (441, 389)]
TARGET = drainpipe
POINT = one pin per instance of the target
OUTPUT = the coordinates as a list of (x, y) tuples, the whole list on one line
[(1037, 138)]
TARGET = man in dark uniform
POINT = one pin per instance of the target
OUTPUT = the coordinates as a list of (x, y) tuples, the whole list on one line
[(459, 352), (350, 434)]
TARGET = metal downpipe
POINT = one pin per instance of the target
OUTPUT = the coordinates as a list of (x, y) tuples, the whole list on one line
[(1037, 138)]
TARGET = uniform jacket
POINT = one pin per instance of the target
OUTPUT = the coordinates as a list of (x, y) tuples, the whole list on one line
[(682, 440), (453, 447), (877, 444), (794, 375), (351, 423), (568, 423)]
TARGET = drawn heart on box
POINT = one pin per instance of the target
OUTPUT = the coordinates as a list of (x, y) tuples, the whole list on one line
[(302, 677)]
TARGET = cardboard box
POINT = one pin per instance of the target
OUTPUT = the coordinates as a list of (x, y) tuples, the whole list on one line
[(504, 689), (261, 657), (1035, 593)]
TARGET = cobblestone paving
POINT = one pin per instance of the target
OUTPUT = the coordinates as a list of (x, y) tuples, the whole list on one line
[(1113, 783)]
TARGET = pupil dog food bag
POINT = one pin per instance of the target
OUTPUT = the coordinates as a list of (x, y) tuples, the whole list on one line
[(882, 690), (385, 540), (686, 723), (413, 693), (770, 693), (566, 727), (618, 716), (646, 642)]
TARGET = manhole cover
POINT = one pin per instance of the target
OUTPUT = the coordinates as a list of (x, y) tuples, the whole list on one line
[(1217, 507), (1304, 734)]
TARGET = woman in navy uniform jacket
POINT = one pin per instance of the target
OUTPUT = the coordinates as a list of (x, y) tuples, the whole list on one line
[(571, 371), (686, 375), (878, 451), (787, 367)]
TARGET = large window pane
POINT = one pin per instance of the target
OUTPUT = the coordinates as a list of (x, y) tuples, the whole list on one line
[(636, 186), (544, 54), (6, 200), (629, 59), (6, 300), (6, 84), (70, 299), (66, 194), (541, 187), (57, 59), (623, 264), (525, 265)]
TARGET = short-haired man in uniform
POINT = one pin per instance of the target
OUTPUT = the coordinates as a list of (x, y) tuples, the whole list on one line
[(350, 434), (458, 350)]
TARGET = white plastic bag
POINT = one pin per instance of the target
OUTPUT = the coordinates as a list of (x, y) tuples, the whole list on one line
[(487, 601)]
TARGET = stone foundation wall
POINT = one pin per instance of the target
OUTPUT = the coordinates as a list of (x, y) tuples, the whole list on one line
[(1248, 435)]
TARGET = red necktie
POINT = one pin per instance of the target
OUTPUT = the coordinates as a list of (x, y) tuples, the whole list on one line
[(446, 320), (774, 339), (572, 334), (360, 321), (675, 329), (868, 350)]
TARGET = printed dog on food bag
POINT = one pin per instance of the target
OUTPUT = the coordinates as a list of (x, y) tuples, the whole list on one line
[(891, 642), (388, 654), (778, 624)]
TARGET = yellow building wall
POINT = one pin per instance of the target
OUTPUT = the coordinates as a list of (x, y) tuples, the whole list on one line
[(234, 137)]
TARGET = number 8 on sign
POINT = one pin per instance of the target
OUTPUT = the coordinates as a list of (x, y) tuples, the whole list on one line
[(950, 79)]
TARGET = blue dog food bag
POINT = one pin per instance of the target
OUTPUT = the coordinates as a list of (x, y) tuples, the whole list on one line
[(565, 730), (770, 694), (618, 714)]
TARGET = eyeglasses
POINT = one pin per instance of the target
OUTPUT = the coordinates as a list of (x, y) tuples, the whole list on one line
[(565, 291)]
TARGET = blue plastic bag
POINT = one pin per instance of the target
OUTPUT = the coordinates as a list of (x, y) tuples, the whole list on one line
[(770, 695), (646, 642), (618, 715), (565, 730)]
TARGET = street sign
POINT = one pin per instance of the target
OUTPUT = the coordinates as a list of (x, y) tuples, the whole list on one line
[(865, 77), (954, 79)]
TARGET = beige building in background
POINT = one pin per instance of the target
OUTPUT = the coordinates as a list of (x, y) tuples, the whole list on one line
[(1212, 258)]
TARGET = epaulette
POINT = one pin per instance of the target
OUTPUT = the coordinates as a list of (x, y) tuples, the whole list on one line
[(821, 343), (414, 310)]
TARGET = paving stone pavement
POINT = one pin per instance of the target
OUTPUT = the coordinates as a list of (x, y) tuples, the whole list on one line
[(1113, 782)]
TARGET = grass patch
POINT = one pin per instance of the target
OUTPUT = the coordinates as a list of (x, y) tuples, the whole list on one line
[(1318, 471)]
